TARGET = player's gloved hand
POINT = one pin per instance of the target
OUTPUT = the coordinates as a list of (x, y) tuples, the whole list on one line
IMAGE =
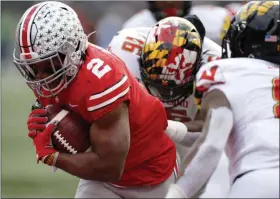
[(37, 119), (42, 142)]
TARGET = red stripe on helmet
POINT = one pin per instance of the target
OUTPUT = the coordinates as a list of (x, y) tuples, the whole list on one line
[(25, 32)]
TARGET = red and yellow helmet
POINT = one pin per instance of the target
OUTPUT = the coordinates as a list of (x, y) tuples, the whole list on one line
[(170, 59)]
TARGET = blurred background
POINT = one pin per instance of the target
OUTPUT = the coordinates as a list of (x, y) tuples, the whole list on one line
[(21, 176)]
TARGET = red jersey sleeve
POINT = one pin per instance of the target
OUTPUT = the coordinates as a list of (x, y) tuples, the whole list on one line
[(99, 104), (109, 91)]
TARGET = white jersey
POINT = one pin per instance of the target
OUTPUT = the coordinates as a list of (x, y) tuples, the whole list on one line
[(144, 18), (210, 51), (252, 89), (127, 43), (215, 19)]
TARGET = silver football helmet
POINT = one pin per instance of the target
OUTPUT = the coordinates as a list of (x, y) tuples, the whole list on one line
[(49, 34)]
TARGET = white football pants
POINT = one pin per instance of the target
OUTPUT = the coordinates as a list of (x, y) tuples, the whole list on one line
[(262, 183)]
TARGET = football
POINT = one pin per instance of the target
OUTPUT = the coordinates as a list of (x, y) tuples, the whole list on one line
[(72, 133)]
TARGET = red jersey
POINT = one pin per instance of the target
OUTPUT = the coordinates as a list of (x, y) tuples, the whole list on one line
[(102, 83)]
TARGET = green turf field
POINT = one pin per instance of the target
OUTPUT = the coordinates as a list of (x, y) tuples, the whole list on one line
[(21, 176)]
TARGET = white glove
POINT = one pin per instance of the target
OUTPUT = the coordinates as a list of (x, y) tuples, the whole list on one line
[(175, 192), (176, 130)]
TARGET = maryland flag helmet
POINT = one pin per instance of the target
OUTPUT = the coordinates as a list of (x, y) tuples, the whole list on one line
[(254, 32), (170, 59)]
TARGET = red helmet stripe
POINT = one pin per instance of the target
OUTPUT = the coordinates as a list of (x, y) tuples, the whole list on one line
[(25, 31)]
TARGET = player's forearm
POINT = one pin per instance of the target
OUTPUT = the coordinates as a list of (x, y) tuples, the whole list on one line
[(199, 166), (190, 138), (206, 153), (89, 166), (204, 163)]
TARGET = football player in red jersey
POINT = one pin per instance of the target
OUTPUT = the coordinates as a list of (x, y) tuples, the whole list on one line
[(132, 155)]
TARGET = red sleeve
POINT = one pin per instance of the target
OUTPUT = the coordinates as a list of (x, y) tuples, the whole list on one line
[(112, 91)]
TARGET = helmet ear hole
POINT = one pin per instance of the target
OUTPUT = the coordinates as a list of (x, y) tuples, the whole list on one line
[(72, 71)]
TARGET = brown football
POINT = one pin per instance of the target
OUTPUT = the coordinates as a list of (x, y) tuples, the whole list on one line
[(72, 133)]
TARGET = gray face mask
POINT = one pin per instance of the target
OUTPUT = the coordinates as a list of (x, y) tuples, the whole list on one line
[(63, 70)]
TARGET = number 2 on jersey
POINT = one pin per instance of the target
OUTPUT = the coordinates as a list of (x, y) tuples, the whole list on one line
[(132, 45), (276, 96), (98, 68)]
